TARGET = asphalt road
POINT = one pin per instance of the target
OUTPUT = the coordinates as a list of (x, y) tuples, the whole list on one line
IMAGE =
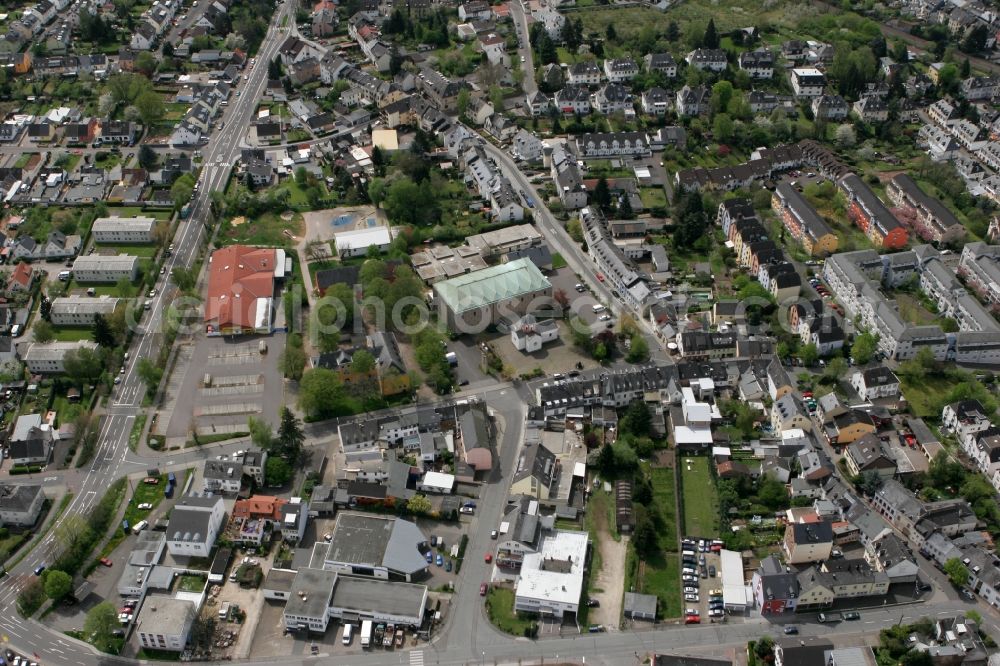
[(559, 241), (519, 13), (112, 458)]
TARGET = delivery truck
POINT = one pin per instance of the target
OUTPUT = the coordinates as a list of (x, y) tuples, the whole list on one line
[(366, 633)]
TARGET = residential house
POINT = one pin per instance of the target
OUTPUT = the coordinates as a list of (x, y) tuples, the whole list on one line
[(868, 454), (875, 383), (807, 82), (713, 60), (807, 542), (759, 64)]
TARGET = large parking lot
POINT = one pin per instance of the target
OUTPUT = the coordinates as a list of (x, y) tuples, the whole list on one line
[(242, 382), (701, 574)]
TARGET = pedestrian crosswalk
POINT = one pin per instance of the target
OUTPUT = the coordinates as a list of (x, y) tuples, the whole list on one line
[(417, 658)]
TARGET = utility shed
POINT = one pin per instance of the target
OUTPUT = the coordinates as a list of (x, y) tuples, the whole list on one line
[(640, 606)]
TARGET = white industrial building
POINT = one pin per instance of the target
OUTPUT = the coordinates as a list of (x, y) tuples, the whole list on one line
[(551, 579), (736, 594), (370, 545), (316, 596), (164, 623), (123, 229), (356, 243), (98, 268), (81, 310)]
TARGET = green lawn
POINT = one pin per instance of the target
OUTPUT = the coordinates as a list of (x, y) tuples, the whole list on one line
[(558, 261), (701, 503), (925, 394), (147, 251), (137, 211), (912, 311), (664, 493), (660, 573), (500, 607), (66, 411), (71, 333), (191, 583), (142, 494), (653, 197), (137, 427), (266, 229), (23, 160)]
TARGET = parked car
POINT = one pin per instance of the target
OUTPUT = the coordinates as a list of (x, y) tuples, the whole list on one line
[(439, 560), (593, 603), (691, 619), (488, 558), (691, 597), (483, 589), (852, 615), (791, 630), (106, 561)]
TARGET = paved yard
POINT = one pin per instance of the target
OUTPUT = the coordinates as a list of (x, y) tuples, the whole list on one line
[(323, 224), (244, 383)]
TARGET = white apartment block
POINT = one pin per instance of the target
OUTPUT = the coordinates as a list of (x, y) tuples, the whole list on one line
[(48, 358), (123, 229), (97, 268), (81, 310)]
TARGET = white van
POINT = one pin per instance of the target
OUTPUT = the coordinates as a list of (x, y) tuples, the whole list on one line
[(598, 308), (140, 526), (64, 276), (15, 330), (348, 632)]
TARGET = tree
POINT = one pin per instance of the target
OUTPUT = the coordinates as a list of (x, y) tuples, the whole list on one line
[(320, 393), (637, 420), (957, 572), (168, 50), (966, 69), (235, 41), (711, 38), (43, 331), (83, 364), (101, 332), (845, 136), (611, 33), (772, 493), (145, 62), (625, 211), (293, 362), (602, 194), (45, 309), (638, 351), (606, 459), (147, 157), (100, 625), (835, 369), (362, 362), (809, 354), (184, 278), (182, 189), (149, 373), (644, 533), (722, 95), (974, 40), (864, 348), (125, 288), (673, 32), (869, 482), (462, 103), (419, 504), (723, 128), (260, 433), (57, 584), (277, 471), (690, 222), (290, 436)]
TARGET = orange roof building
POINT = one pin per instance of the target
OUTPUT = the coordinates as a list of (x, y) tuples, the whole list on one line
[(21, 278), (241, 289), (261, 507)]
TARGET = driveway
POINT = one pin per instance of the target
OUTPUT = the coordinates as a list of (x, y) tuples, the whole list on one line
[(606, 584)]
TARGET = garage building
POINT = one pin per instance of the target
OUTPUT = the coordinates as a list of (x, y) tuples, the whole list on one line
[(736, 594)]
